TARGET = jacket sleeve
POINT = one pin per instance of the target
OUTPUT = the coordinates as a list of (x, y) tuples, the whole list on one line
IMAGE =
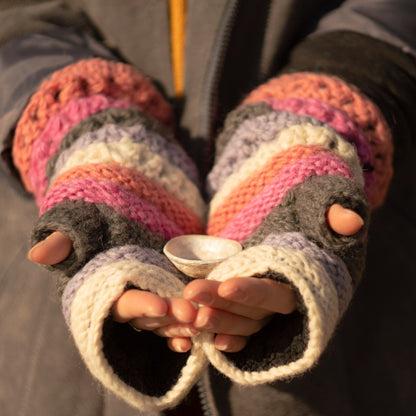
[(92, 139), (323, 131)]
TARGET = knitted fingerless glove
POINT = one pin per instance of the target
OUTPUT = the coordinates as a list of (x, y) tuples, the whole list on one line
[(95, 146), (297, 145)]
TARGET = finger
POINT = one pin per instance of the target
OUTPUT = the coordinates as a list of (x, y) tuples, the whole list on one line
[(266, 294), (139, 304), (54, 249), (151, 324), (181, 309), (230, 343), (218, 321), (343, 221), (206, 293), (147, 311), (179, 344), (177, 330), (249, 297)]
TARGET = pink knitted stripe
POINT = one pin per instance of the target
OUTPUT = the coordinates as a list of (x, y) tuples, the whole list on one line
[(83, 79), (360, 109), (252, 215), (143, 187), (57, 126), (115, 196), (338, 120)]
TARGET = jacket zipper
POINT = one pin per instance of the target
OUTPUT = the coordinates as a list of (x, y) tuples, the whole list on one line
[(209, 98), (205, 396)]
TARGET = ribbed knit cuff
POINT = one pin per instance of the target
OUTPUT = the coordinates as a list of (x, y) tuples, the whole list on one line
[(292, 344), (138, 367)]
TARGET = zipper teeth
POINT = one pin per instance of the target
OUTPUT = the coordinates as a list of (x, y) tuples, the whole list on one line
[(203, 398), (212, 78), (206, 397)]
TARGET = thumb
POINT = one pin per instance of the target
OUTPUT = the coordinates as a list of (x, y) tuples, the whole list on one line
[(343, 221), (54, 249)]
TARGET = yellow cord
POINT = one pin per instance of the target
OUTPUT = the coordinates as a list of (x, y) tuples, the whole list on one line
[(177, 36)]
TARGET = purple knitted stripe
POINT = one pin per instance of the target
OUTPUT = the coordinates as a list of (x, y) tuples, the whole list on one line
[(58, 125), (156, 143), (116, 254), (334, 266), (324, 112), (338, 120), (246, 140), (115, 196), (252, 215)]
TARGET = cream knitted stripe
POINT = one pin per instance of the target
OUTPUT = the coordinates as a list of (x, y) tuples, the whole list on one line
[(137, 156), (114, 255), (318, 295), (91, 306), (139, 134), (246, 140), (334, 266), (307, 135)]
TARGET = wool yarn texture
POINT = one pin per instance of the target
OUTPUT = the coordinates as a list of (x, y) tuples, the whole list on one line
[(47, 144), (100, 284), (359, 108), (84, 78), (107, 172), (95, 146), (313, 284), (139, 134), (297, 145)]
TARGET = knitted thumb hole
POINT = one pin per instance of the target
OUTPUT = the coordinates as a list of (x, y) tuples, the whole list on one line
[(318, 295), (121, 366)]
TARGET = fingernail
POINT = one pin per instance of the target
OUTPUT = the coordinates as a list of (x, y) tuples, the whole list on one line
[(205, 322), (153, 314), (355, 215), (205, 298), (152, 325), (221, 345), (180, 348), (190, 332), (236, 295), (33, 250)]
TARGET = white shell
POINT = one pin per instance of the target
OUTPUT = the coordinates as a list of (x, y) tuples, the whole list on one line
[(196, 255)]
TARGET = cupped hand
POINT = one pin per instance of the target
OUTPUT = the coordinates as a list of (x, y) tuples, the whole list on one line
[(171, 318), (238, 308)]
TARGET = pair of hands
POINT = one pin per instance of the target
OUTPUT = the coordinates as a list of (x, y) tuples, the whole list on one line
[(233, 310)]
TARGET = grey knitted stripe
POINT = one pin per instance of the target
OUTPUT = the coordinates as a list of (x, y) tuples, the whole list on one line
[(93, 228), (304, 210), (125, 117), (233, 121)]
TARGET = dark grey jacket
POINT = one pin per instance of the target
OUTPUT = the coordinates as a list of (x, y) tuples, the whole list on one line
[(231, 47)]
